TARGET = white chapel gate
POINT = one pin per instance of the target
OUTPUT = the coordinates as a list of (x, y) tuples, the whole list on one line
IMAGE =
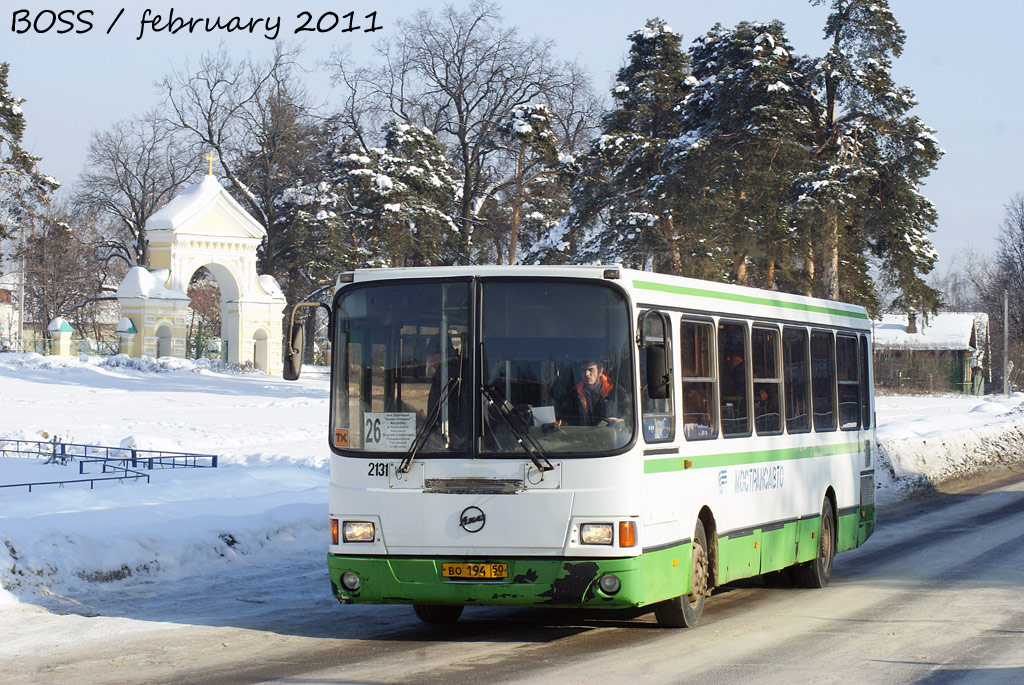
[(202, 226)]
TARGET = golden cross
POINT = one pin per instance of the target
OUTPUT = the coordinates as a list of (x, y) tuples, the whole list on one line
[(211, 159)]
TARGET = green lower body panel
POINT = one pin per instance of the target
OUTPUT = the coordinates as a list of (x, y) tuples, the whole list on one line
[(760, 550), (778, 547), (548, 582), (739, 556)]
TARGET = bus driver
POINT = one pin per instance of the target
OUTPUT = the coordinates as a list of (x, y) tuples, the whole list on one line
[(595, 399)]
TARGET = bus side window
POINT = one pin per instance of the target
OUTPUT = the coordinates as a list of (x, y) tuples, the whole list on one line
[(865, 383), (823, 380), (659, 419), (849, 382), (764, 347), (734, 379), (797, 380), (696, 351)]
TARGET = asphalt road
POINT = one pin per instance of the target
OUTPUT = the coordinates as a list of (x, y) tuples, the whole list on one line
[(934, 596)]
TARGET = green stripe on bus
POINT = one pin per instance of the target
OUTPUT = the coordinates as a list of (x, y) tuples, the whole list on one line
[(705, 461), (747, 299)]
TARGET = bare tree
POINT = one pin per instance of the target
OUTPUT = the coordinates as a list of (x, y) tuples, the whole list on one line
[(256, 117), (999, 278), (1009, 259), (357, 113), (132, 170), (1007, 280), (60, 269), (460, 73), (963, 281), (576, 109)]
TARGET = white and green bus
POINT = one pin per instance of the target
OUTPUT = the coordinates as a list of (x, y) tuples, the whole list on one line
[(589, 437)]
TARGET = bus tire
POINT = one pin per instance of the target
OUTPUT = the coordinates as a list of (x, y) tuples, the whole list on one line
[(685, 611), (817, 572), (438, 613)]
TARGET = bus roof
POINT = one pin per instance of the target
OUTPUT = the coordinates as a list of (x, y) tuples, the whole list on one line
[(663, 290)]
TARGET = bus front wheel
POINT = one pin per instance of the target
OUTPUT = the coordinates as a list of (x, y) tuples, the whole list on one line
[(817, 572), (685, 611), (438, 613)]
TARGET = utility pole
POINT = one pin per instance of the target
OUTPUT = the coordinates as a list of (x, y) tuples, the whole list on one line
[(1006, 343), (21, 290)]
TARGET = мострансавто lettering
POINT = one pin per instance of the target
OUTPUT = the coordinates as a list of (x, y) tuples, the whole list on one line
[(759, 478)]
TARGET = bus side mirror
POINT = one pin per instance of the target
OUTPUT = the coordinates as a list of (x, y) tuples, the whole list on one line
[(297, 340), (658, 373), (293, 359)]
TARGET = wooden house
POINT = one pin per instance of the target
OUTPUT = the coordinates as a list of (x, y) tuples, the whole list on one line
[(947, 353)]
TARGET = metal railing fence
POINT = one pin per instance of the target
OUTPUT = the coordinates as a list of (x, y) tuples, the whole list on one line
[(124, 462)]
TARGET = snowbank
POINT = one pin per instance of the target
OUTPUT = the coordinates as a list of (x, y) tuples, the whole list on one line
[(924, 441), (31, 360), (63, 539), (911, 463)]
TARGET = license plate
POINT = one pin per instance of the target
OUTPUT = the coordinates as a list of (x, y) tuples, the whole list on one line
[(474, 571)]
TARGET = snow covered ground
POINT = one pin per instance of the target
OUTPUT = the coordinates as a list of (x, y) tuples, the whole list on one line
[(268, 494), (268, 498)]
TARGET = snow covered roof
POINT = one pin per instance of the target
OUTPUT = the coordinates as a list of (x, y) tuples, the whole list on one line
[(187, 204), (945, 331), (140, 282), (60, 325), (269, 284), (194, 202), (125, 325)]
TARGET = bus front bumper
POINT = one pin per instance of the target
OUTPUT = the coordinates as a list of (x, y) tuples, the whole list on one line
[(547, 582)]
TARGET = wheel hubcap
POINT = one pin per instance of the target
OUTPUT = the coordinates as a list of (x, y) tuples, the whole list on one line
[(700, 572)]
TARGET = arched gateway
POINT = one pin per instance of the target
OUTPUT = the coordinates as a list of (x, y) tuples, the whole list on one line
[(203, 227)]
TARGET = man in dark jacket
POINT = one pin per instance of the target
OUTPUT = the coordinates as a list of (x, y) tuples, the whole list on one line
[(596, 399)]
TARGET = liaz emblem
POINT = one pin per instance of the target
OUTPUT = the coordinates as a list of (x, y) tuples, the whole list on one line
[(472, 519)]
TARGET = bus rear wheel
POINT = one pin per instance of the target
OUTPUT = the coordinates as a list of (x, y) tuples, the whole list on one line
[(685, 611), (438, 613), (817, 572)]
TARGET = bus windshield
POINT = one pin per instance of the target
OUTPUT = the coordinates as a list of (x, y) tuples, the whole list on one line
[(554, 369), (557, 366)]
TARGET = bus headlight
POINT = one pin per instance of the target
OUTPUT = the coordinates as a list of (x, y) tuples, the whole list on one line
[(596, 534), (358, 531)]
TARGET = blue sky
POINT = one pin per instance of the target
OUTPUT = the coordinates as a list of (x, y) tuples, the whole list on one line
[(963, 60)]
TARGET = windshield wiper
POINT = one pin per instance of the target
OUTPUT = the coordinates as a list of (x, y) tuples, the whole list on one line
[(428, 424), (529, 445)]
